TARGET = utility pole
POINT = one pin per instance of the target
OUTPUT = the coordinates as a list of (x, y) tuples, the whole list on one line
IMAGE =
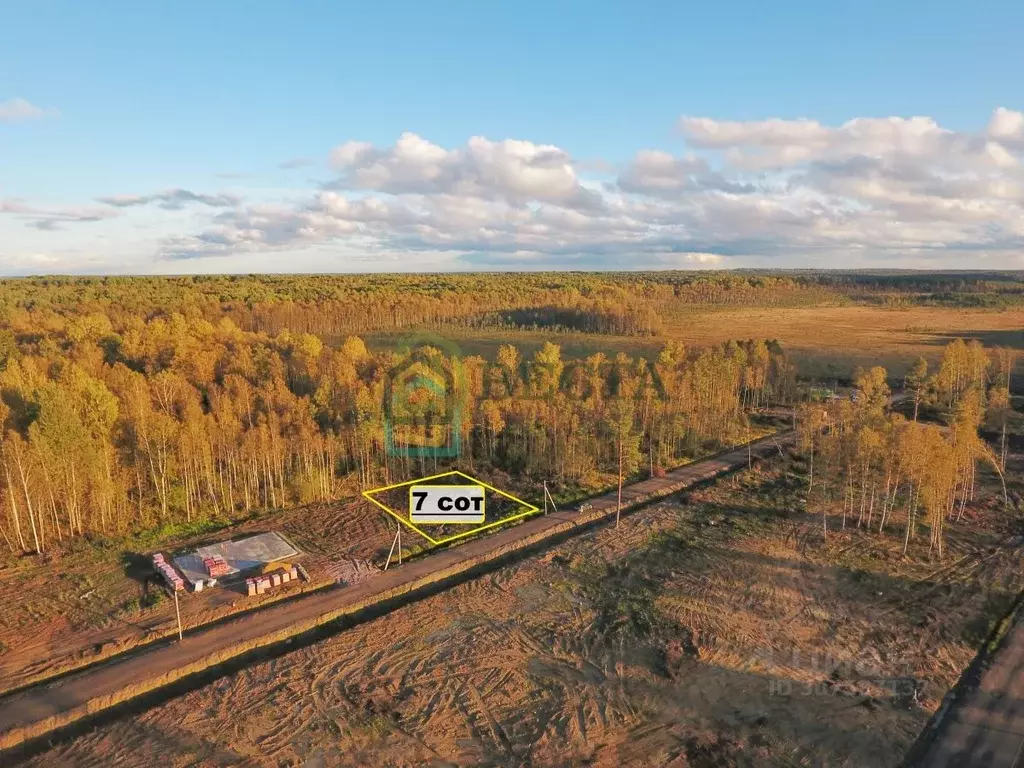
[(618, 506), (177, 612), (395, 543)]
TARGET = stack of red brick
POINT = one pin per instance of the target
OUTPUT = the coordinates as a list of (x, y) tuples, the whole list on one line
[(215, 566), (260, 584), (170, 575)]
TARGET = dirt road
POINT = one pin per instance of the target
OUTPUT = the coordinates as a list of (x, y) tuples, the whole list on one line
[(49, 707), (985, 727)]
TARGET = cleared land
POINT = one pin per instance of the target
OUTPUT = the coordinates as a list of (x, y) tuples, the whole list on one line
[(721, 631), (43, 708), (63, 611), (71, 608)]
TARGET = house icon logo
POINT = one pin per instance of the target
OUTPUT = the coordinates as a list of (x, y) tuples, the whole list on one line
[(423, 399)]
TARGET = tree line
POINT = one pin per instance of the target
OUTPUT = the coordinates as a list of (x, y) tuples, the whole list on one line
[(111, 423), (338, 305), (884, 469), (628, 303)]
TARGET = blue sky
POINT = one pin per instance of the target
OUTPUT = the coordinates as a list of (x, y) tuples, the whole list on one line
[(114, 99)]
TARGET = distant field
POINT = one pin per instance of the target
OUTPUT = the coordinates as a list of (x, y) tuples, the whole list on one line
[(833, 340), (485, 342), (824, 341)]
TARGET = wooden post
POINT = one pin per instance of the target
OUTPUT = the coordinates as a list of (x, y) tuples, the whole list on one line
[(393, 545), (549, 497), (618, 506), (177, 612)]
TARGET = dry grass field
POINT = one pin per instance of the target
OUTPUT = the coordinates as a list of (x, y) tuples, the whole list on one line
[(825, 341), (716, 632), (833, 340)]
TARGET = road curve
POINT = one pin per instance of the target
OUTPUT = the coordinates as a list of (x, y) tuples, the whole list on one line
[(49, 707)]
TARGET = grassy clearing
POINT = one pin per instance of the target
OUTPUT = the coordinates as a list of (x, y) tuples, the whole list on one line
[(485, 342), (826, 342)]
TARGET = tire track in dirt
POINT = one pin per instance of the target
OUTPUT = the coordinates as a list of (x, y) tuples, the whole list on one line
[(550, 679)]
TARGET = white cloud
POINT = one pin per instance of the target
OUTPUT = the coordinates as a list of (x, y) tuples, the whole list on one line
[(171, 200), (658, 173), (705, 133), (779, 144), (275, 227), (1007, 127), (880, 191), (509, 169), (655, 171), (18, 110), (50, 218), (710, 259), (771, 189)]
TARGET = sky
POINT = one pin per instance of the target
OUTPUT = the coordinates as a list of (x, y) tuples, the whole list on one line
[(199, 137)]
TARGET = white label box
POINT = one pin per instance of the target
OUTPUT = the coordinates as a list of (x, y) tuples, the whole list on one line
[(456, 504)]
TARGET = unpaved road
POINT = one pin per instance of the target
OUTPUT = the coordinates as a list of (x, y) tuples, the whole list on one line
[(46, 708), (985, 728)]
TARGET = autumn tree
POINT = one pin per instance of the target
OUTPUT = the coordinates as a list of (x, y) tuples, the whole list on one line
[(917, 383)]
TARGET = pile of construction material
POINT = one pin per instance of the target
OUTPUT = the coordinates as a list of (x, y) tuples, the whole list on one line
[(242, 556), (167, 571), (216, 566), (260, 584)]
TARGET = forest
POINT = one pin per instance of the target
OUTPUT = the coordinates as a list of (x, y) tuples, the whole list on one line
[(113, 423), (129, 404), (886, 469), (623, 303)]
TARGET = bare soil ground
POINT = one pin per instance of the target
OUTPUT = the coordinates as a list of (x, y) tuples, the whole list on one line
[(63, 611), (721, 631), (77, 606)]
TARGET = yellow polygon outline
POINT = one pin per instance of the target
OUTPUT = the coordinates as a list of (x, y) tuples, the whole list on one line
[(483, 508), (530, 508)]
